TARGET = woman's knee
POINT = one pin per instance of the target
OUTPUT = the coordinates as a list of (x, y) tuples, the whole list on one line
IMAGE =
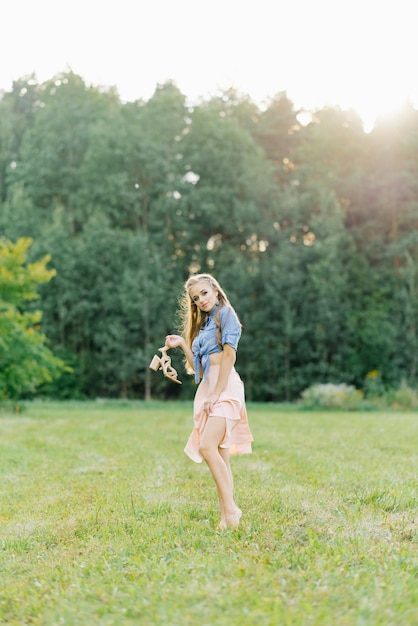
[(212, 437), (208, 448), (205, 449)]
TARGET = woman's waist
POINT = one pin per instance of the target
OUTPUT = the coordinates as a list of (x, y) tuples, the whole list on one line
[(215, 358), (215, 364)]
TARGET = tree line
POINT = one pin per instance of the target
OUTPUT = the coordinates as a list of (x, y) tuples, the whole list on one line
[(308, 222)]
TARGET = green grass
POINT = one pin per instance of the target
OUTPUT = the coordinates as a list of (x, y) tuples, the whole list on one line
[(104, 520)]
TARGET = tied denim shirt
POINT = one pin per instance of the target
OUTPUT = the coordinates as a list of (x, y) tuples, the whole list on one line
[(205, 343)]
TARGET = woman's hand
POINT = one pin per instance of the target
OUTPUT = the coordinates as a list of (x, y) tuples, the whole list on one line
[(173, 341), (177, 341), (209, 403)]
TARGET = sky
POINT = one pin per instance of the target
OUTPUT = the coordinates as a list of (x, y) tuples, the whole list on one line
[(357, 54)]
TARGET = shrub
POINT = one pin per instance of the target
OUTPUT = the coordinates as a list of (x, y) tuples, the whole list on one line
[(373, 385), (405, 397), (331, 396)]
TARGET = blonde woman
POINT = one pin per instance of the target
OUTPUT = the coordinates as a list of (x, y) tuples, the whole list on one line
[(210, 335)]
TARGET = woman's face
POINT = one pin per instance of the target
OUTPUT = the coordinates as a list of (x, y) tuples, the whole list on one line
[(204, 296)]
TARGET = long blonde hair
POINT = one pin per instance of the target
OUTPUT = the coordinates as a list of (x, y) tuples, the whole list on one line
[(191, 317)]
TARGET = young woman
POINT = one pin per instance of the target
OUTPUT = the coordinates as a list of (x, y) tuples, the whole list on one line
[(210, 334)]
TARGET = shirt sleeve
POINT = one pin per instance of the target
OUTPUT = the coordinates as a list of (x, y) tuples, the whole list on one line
[(230, 327)]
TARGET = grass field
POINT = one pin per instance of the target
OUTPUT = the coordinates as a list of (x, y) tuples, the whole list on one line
[(105, 521)]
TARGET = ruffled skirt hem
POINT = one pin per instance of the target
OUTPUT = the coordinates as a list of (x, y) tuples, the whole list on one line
[(231, 406)]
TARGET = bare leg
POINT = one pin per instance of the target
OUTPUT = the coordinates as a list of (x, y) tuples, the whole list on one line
[(220, 469), (224, 452)]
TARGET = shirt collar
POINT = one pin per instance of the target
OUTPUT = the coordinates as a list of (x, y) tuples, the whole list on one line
[(212, 313)]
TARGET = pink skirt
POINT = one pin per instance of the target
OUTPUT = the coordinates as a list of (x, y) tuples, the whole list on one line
[(231, 406)]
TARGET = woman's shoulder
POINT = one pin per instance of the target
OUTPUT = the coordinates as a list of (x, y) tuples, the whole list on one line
[(227, 313), (226, 310)]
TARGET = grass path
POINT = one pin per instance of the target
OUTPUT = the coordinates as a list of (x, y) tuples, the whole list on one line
[(104, 520)]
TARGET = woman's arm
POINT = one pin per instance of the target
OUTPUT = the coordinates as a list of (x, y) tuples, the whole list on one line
[(176, 341), (227, 363)]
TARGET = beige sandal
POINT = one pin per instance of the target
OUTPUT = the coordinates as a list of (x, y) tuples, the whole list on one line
[(164, 363)]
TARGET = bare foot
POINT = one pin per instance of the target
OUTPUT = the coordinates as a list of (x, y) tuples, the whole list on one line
[(230, 521)]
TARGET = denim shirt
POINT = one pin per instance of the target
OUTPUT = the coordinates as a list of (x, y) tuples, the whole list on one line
[(205, 343)]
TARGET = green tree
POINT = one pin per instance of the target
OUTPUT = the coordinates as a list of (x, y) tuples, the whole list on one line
[(383, 218), (225, 210), (298, 298), (17, 111), (311, 229), (51, 153), (25, 360), (279, 133)]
